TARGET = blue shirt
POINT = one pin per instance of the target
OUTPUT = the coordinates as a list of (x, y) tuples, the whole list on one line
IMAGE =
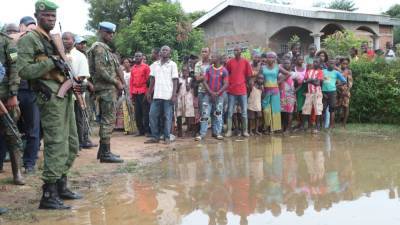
[(330, 78)]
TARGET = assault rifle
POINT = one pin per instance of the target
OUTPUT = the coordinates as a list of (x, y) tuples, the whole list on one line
[(7, 120), (71, 82)]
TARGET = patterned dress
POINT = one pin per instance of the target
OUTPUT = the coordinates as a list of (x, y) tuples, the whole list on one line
[(287, 93), (343, 97), (271, 103)]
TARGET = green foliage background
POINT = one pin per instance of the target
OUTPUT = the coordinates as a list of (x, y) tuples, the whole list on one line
[(339, 43), (376, 92), (158, 24)]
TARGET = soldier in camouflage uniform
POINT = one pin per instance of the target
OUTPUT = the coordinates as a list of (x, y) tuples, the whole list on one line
[(104, 68), (39, 63), (8, 94)]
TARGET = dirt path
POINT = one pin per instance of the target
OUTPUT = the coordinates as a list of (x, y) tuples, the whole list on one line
[(86, 174)]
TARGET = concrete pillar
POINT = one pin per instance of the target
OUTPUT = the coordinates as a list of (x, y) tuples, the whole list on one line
[(317, 39), (376, 41)]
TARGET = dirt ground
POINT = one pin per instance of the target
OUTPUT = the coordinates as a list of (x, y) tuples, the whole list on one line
[(87, 172)]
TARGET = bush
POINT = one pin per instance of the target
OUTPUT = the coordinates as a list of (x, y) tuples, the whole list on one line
[(340, 43), (376, 92)]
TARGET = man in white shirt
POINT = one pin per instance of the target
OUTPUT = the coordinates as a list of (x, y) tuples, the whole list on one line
[(80, 70), (162, 94)]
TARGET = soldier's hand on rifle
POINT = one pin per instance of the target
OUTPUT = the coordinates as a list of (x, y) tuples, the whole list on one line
[(59, 63), (77, 88), (12, 103)]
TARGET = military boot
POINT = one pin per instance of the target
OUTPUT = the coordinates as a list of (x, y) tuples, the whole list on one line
[(15, 158), (63, 190), (106, 156), (50, 198)]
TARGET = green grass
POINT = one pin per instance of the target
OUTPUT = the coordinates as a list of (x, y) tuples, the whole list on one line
[(379, 129), (129, 167)]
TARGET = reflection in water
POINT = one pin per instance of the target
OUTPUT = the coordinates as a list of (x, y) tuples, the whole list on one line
[(255, 181)]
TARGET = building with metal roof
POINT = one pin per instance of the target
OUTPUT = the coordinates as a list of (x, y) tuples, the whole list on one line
[(258, 24)]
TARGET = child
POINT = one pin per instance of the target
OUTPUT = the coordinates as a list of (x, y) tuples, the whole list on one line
[(215, 82), (331, 76), (309, 59), (185, 107), (313, 78), (254, 111), (301, 88), (343, 100), (287, 96), (271, 103)]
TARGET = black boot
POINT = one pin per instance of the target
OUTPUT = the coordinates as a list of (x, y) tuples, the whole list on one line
[(106, 156), (63, 190), (107, 149), (50, 198)]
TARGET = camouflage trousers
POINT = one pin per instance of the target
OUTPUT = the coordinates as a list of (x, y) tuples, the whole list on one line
[(106, 100), (13, 143), (60, 136)]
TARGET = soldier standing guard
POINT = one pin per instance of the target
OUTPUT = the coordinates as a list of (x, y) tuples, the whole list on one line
[(8, 95), (40, 64), (104, 68)]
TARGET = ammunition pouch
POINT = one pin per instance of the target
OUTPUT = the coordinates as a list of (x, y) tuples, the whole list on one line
[(53, 74), (42, 91)]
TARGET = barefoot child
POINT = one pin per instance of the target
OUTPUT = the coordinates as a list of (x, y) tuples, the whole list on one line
[(288, 96), (343, 100), (313, 79), (331, 76), (254, 105), (215, 82), (185, 107)]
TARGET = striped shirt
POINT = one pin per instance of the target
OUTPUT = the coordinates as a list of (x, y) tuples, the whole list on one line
[(215, 78), (314, 74)]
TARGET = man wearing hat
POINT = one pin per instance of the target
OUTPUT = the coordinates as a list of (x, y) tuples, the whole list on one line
[(104, 68), (39, 63), (27, 23), (80, 44)]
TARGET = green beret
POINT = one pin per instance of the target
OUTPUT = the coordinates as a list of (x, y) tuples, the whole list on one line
[(45, 5)]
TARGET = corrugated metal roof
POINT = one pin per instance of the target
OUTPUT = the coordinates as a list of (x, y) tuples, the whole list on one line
[(310, 12)]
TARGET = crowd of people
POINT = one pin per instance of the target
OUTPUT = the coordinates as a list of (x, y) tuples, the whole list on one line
[(262, 96)]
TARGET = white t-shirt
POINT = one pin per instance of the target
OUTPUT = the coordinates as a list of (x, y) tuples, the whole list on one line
[(163, 75), (127, 77), (78, 63)]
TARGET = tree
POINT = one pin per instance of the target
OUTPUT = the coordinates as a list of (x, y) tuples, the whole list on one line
[(120, 12), (193, 16), (171, 26), (340, 43), (346, 5), (394, 12)]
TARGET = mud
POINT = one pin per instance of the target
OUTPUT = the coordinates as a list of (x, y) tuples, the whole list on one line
[(300, 179)]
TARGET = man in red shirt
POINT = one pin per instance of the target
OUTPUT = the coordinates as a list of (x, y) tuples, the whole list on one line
[(239, 70), (140, 74)]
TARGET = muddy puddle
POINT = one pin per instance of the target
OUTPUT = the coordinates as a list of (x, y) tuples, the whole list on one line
[(310, 180)]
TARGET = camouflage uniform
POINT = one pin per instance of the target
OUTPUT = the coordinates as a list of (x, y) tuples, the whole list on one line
[(8, 88), (56, 114), (104, 66)]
